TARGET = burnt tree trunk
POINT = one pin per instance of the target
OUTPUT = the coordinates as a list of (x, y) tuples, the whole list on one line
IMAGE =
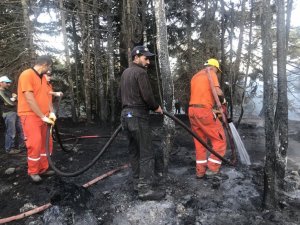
[(29, 27), (270, 182), (288, 22), (101, 103), (231, 80), (237, 63), (165, 71), (110, 58), (76, 66), (85, 40), (282, 100), (68, 64), (223, 30), (248, 59)]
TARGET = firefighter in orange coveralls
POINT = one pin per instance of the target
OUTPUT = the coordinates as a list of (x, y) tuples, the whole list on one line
[(36, 112), (204, 121)]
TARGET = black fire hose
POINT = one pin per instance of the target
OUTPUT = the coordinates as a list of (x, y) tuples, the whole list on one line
[(61, 173), (65, 174), (59, 141), (198, 138)]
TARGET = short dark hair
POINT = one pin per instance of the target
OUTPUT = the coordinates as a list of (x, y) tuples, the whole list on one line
[(44, 59)]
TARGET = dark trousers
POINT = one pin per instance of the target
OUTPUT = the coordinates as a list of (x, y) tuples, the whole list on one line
[(13, 129), (140, 151)]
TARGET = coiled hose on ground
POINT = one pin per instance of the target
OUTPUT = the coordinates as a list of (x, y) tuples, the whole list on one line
[(76, 173)]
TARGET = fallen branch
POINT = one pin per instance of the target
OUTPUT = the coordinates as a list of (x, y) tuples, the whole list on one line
[(28, 213), (104, 176), (48, 205)]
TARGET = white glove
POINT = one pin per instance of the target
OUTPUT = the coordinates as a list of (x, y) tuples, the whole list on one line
[(52, 116), (14, 95), (13, 99), (58, 94), (47, 120)]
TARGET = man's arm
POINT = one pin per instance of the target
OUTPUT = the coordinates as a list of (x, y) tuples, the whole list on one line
[(219, 92), (51, 107), (32, 103), (6, 99)]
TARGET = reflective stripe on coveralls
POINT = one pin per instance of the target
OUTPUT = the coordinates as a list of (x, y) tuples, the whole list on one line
[(204, 123), (35, 132), (215, 161), (207, 127), (34, 159)]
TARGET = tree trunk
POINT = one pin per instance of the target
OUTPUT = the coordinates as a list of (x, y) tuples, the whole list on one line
[(188, 5), (237, 63), (288, 21), (282, 100), (29, 27), (67, 55), (223, 31), (270, 183), (110, 56), (231, 80), (85, 40), (165, 71), (77, 69), (131, 28), (247, 65), (100, 89)]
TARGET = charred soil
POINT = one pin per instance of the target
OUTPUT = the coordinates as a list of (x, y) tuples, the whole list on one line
[(232, 197)]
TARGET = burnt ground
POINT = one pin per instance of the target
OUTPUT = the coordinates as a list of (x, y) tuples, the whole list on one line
[(233, 197)]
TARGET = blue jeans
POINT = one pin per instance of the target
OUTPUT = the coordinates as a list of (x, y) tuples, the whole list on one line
[(12, 129)]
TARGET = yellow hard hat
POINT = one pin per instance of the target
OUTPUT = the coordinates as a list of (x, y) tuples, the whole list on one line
[(213, 62)]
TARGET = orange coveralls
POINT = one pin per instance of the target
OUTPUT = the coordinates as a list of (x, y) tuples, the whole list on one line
[(33, 127), (204, 123)]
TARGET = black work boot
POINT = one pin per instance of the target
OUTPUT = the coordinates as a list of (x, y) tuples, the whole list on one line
[(151, 195)]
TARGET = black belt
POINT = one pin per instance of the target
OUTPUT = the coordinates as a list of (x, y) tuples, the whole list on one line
[(197, 106)]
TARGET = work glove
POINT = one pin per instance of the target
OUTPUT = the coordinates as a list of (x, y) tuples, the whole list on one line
[(58, 94), (52, 116), (13, 97), (48, 120)]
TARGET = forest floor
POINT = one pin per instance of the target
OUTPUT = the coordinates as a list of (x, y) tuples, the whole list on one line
[(231, 198)]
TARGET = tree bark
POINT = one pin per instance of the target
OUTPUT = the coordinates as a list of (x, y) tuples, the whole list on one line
[(247, 65), (282, 100), (131, 28), (85, 40), (237, 63), (231, 80), (110, 56), (29, 27), (270, 183), (99, 80), (77, 67), (165, 71), (67, 55), (288, 21), (223, 30)]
